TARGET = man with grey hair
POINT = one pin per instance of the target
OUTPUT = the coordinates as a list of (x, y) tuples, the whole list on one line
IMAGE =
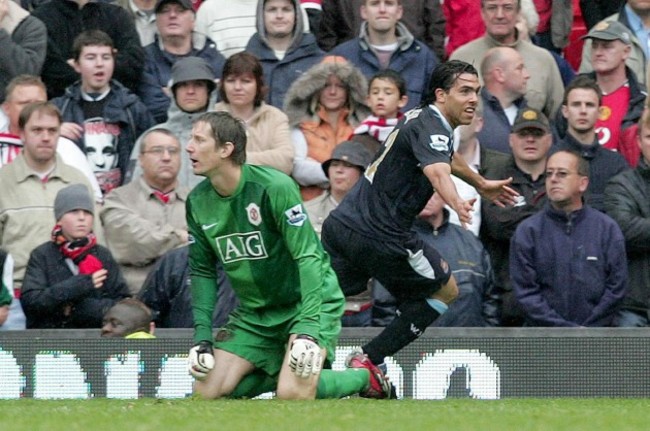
[(146, 218)]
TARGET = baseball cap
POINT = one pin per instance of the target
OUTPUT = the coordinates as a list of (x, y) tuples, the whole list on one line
[(352, 152), (610, 30), (186, 4), (192, 69), (531, 118)]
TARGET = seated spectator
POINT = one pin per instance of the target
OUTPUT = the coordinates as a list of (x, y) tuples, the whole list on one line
[(386, 96), (581, 109), (146, 218), (23, 38), (627, 201), (385, 43), (476, 304), (129, 318), (176, 39), (229, 23), (283, 47), (100, 115), (66, 19), (21, 91), (241, 92), (324, 107), (530, 142), (71, 281), (192, 89), (144, 17), (567, 262), (341, 20), (344, 169), (166, 291), (29, 186)]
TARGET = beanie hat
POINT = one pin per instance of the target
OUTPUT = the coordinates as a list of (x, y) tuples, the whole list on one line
[(71, 198)]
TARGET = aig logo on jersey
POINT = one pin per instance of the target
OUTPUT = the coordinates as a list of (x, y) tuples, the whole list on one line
[(241, 246), (296, 216), (439, 143)]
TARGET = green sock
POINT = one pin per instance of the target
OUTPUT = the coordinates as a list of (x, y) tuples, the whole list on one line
[(339, 384), (254, 384)]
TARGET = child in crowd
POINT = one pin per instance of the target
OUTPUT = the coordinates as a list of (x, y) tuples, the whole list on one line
[(386, 96), (71, 281), (129, 318)]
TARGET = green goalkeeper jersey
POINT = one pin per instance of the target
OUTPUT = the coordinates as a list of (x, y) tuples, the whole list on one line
[(270, 252)]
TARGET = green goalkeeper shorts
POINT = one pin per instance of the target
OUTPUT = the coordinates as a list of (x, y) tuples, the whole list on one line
[(261, 337)]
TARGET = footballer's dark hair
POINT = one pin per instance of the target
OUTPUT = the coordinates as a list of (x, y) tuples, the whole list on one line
[(444, 76), (390, 76), (226, 128)]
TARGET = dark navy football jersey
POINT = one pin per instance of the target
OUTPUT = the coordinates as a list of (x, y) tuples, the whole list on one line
[(385, 201)]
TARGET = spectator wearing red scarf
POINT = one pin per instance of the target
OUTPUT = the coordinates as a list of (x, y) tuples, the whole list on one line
[(71, 281)]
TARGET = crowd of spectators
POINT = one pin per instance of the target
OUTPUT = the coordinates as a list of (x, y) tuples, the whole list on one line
[(94, 181)]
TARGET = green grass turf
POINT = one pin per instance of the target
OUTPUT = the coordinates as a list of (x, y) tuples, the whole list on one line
[(348, 414)]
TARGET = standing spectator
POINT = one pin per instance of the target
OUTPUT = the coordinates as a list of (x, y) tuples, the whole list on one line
[(627, 201), (555, 23), (176, 39), (581, 109), (71, 281), (385, 43), (594, 11), (567, 262), (101, 115), (341, 20), (324, 107), (21, 91), (503, 96), (66, 19), (623, 96), (144, 17), (241, 93), (193, 93), (229, 23), (544, 89), (146, 218), (282, 46), (30, 183), (635, 16), (23, 38), (530, 142)]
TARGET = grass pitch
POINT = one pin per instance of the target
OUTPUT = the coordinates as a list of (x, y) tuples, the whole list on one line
[(348, 414)]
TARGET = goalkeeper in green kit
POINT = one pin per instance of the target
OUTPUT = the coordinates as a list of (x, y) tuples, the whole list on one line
[(283, 334)]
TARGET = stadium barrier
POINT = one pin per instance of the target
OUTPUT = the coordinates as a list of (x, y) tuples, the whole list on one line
[(481, 363)]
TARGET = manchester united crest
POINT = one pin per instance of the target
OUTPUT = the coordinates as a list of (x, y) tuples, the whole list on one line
[(254, 215)]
